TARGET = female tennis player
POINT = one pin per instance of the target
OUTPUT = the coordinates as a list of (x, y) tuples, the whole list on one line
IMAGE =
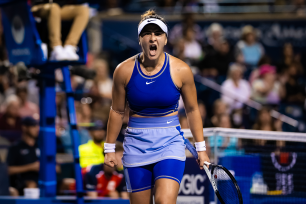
[(154, 150)]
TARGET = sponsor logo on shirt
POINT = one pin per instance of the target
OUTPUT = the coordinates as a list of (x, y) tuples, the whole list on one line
[(149, 82)]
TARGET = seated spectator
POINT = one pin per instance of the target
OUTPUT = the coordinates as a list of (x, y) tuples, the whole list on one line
[(33, 89), (217, 62), (10, 121), (60, 148), (288, 58), (266, 89), (188, 48), (220, 108), (176, 33), (299, 8), (112, 7), (248, 47), (27, 108), (214, 36), (84, 113), (223, 57), (167, 5), (22, 159), (235, 90), (91, 153), (104, 181), (179, 49), (83, 116), (55, 12), (77, 85), (6, 87), (265, 60), (103, 80), (61, 108), (100, 109), (293, 90), (265, 122), (216, 53), (202, 109), (4, 143), (227, 145)]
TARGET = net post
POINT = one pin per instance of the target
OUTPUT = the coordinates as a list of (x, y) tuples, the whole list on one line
[(215, 133)]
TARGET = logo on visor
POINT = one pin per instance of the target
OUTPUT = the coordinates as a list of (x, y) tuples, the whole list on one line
[(151, 20)]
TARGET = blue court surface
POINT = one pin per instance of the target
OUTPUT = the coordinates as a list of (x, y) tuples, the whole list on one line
[(59, 200), (263, 199)]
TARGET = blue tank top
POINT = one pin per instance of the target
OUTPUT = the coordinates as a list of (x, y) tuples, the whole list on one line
[(155, 95)]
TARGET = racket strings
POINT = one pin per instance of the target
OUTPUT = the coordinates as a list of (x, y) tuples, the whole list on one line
[(226, 187)]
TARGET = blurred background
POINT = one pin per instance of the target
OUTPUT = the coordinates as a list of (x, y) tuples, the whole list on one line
[(248, 58)]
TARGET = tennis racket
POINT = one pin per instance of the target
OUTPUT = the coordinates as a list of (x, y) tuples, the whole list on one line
[(222, 181)]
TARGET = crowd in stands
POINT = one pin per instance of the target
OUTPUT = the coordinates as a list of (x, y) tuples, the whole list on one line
[(245, 73), (117, 7), (243, 70)]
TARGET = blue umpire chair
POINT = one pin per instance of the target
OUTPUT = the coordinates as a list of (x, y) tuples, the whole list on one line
[(23, 44)]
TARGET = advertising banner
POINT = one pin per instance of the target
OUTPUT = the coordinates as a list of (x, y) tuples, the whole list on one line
[(271, 33), (22, 40), (194, 185)]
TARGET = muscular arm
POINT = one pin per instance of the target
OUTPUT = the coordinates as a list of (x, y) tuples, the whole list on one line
[(116, 114), (118, 105), (189, 95)]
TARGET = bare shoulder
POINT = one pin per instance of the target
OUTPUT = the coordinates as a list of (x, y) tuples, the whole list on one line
[(124, 70), (178, 64), (181, 72)]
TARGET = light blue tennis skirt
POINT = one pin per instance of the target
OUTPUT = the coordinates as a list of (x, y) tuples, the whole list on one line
[(149, 140)]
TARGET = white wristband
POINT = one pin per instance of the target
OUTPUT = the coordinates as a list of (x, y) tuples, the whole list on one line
[(200, 146), (109, 147)]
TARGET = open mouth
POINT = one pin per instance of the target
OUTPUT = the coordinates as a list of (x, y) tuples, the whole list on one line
[(153, 49)]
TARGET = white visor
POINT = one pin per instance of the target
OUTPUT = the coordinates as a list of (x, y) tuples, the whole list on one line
[(156, 21)]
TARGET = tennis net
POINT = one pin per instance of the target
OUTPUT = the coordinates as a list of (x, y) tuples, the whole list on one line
[(269, 166)]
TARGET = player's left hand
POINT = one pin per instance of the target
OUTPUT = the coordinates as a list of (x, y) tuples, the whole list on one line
[(202, 157), (110, 159)]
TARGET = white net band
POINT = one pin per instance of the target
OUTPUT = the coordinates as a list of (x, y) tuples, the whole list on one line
[(250, 134)]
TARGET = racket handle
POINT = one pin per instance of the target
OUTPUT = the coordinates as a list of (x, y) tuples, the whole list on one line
[(207, 163)]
